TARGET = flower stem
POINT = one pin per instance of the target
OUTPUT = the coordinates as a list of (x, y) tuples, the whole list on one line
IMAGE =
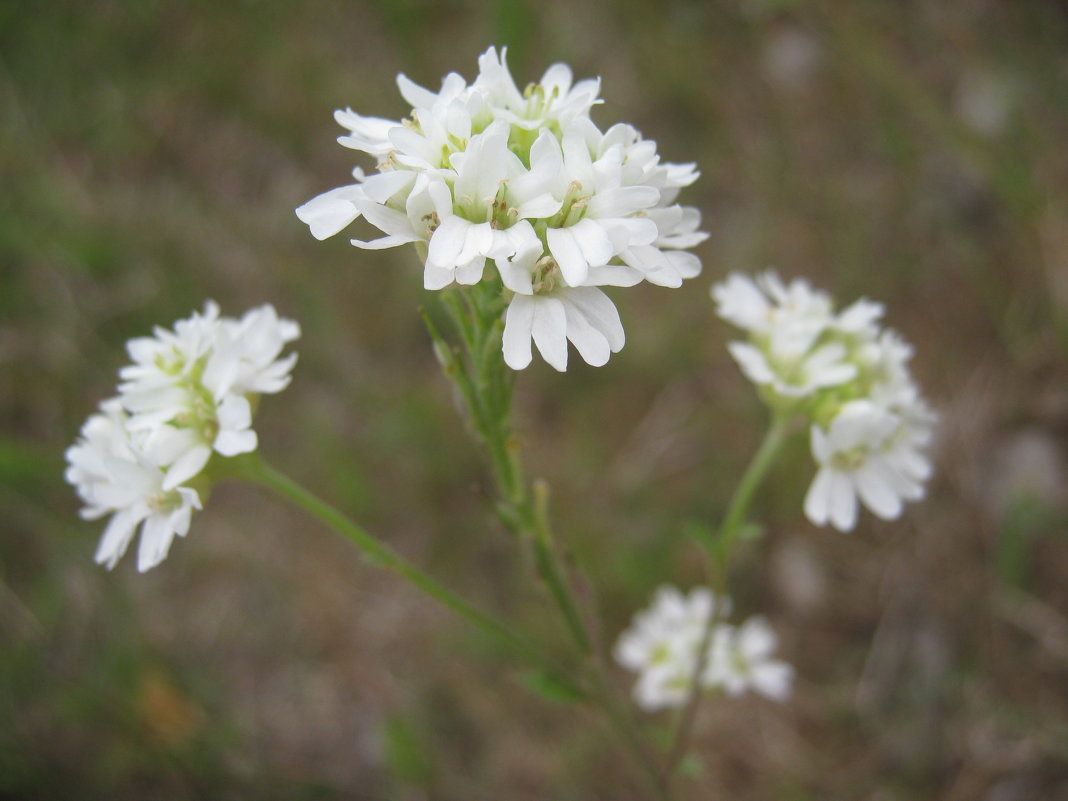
[(256, 470), (721, 549), (486, 386), (751, 479)]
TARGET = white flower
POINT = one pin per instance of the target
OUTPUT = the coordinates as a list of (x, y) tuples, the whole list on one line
[(245, 355), (118, 473), (794, 375), (553, 101), (200, 377), (484, 174), (582, 315), (868, 452), (792, 348), (188, 395), (741, 660), (850, 378), (761, 306), (662, 645)]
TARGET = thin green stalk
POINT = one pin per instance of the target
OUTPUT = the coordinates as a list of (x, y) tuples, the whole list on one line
[(487, 391), (256, 470), (738, 507), (721, 549), (658, 779)]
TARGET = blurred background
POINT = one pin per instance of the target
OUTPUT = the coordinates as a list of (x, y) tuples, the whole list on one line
[(151, 155)]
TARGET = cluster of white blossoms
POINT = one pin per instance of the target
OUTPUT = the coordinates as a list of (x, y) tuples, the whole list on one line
[(849, 377), (663, 645), (486, 173), (189, 394)]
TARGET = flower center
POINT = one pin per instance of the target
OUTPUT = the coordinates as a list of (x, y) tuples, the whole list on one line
[(547, 275), (162, 502)]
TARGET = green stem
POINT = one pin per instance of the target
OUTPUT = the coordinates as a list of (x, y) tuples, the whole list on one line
[(751, 479), (524, 507), (486, 388), (256, 470), (623, 724), (721, 550)]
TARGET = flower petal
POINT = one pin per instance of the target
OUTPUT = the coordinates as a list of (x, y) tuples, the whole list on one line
[(548, 330), (518, 322)]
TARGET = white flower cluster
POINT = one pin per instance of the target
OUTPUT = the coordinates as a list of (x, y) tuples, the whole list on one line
[(663, 646), (850, 377), (484, 172), (188, 395)]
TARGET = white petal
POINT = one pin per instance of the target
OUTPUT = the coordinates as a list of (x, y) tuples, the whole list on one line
[(548, 330), (390, 221), (416, 95), (156, 537), (687, 264), (478, 242), (328, 213), (518, 321), (234, 411), (568, 255), (597, 247), (187, 466), (414, 149), (383, 242), (612, 275), (602, 314), (818, 498), (773, 680), (544, 205), (447, 241), (231, 443), (876, 489), (623, 201), (752, 361), (471, 272), (590, 343), (652, 264), (384, 185), (117, 536), (437, 277), (843, 500)]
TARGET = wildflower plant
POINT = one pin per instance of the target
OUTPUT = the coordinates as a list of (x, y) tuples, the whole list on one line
[(521, 211)]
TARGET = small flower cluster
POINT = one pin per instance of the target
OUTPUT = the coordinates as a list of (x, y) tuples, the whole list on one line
[(526, 180), (663, 645), (189, 394), (849, 377)]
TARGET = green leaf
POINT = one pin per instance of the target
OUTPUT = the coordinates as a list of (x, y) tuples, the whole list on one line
[(407, 752), (692, 766), (551, 688)]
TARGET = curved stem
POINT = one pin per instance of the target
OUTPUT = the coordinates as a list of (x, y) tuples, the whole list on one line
[(721, 549), (256, 470), (751, 479), (623, 723)]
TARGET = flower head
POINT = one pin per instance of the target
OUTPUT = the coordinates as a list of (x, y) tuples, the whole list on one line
[(522, 189), (741, 659), (664, 646), (188, 395), (849, 377)]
